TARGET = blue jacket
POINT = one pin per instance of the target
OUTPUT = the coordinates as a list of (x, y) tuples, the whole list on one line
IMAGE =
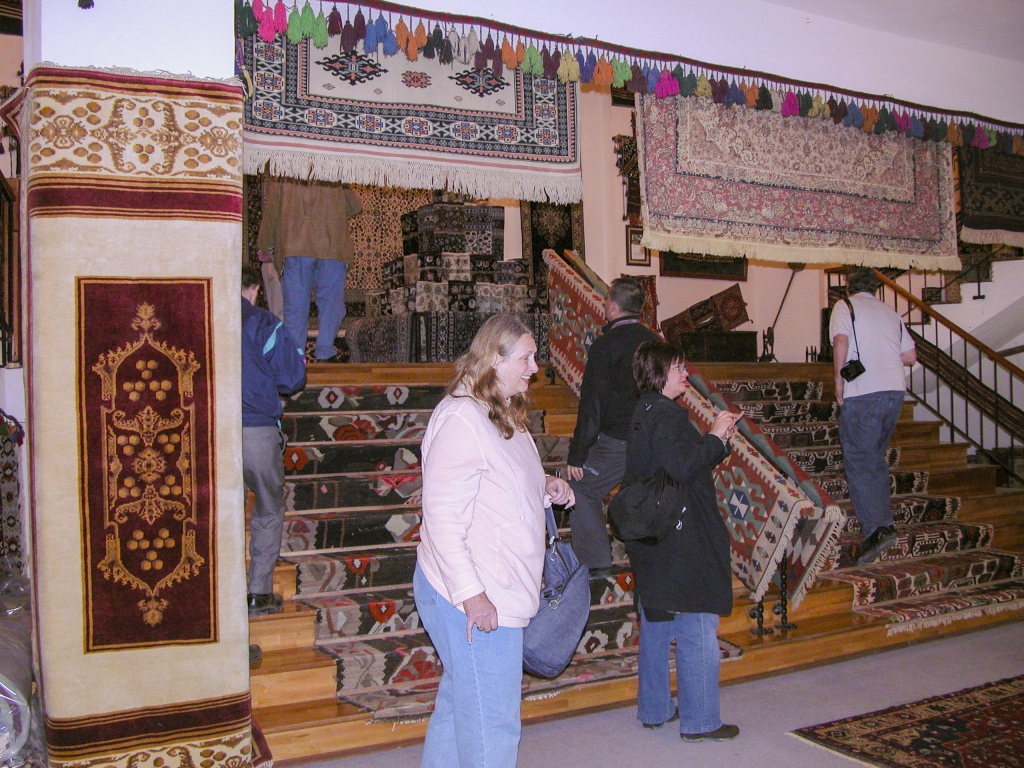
[(272, 365)]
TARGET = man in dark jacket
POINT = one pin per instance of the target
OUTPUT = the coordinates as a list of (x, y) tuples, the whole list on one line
[(597, 455), (272, 365)]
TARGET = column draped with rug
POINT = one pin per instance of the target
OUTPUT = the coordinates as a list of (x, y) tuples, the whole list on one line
[(132, 240)]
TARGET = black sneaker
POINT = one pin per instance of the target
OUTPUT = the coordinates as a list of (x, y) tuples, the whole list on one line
[(655, 726), (874, 545), (721, 733), (255, 654), (261, 605)]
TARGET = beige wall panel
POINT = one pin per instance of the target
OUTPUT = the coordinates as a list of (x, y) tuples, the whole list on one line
[(62, 249)]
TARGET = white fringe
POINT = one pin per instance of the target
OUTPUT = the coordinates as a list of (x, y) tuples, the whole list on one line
[(480, 183), (712, 246), (819, 745), (542, 696), (151, 73), (949, 618), (992, 237), (833, 515), (777, 555)]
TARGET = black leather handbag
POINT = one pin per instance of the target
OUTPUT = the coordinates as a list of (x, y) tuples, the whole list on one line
[(550, 640)]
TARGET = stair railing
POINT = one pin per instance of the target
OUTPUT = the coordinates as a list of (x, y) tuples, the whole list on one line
[(976, 392)]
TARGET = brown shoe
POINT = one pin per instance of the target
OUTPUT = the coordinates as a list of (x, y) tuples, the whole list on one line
[(722, 733)]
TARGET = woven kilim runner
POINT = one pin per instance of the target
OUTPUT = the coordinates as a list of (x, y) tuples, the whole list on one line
[(773, 509), (979, 727)]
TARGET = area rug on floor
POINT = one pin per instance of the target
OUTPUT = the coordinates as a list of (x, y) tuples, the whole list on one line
[(979, 727)]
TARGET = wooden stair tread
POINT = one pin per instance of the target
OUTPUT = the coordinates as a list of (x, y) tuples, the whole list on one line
[(285, 717), (290, 660)]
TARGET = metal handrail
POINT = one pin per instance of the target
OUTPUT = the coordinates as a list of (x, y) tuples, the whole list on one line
[(922, 307), (984, 409)]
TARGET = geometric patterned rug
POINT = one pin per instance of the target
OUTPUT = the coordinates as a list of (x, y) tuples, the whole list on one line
[(980, 727)]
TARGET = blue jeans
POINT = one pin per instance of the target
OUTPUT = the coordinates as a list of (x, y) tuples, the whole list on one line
[(301, 275), (476, 721), (866, 423), (697, 663)]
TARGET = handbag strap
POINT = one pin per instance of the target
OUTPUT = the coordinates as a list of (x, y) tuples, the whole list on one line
[(552, 527), (853, 322)]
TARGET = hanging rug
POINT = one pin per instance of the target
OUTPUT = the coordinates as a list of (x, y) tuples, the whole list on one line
[(348, 116), (741, 182)]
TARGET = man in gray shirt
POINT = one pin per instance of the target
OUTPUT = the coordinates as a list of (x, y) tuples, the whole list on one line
[(869, 404)]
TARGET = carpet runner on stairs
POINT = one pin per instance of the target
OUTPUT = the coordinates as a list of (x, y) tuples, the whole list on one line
[(352, 498), (353, 515), (939, 570)]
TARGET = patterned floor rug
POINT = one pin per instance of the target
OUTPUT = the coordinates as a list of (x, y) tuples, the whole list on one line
[(979, 727), (415, 701)]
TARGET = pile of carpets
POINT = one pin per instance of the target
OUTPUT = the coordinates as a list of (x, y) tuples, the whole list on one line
[(450, 279)]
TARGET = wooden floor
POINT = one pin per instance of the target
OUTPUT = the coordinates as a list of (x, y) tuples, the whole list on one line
[(293, 689)]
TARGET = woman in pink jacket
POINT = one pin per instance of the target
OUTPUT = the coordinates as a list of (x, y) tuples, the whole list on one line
[(481, 553)]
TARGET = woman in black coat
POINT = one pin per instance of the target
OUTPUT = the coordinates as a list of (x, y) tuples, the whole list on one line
[(683, 582)]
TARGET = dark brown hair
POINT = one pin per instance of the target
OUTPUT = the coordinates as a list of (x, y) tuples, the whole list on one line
[(250, 276), (627, 293), (475, 373), (651, 363)]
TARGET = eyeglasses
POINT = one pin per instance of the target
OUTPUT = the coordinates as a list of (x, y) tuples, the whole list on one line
[(680, 367)]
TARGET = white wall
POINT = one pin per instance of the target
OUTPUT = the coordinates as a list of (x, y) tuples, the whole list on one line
[(782, 41), (183, 37)]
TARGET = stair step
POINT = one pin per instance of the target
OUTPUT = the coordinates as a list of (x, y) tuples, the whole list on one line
[(347, 529), (391, 660), (771, 389), (883, 582), (326, 427), (815, 461), (940, 456), (373, 568), (918, 613), (292, 675), (294, 627), (384, 456), (800, 411), (790, 411), (964, 481), (908, 510), (826, 433), (914, 541), (900, 482), (389, 610), (378, 397), (357, 490)]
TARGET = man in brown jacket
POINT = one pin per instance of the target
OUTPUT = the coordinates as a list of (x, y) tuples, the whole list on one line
[(305, 225)]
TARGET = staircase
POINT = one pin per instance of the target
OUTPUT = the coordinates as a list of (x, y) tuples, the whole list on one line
[(347, 668)]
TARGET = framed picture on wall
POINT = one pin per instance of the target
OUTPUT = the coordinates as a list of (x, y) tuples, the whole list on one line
[(706, 267), (636, 254)]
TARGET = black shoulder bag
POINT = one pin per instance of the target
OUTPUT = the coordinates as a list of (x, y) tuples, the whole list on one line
[(855, 367), (649, 510)]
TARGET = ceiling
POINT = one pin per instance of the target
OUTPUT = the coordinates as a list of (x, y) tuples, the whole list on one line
[(992, 27)]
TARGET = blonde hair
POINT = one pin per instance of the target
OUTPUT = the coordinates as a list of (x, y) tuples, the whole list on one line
[(475, 374)]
